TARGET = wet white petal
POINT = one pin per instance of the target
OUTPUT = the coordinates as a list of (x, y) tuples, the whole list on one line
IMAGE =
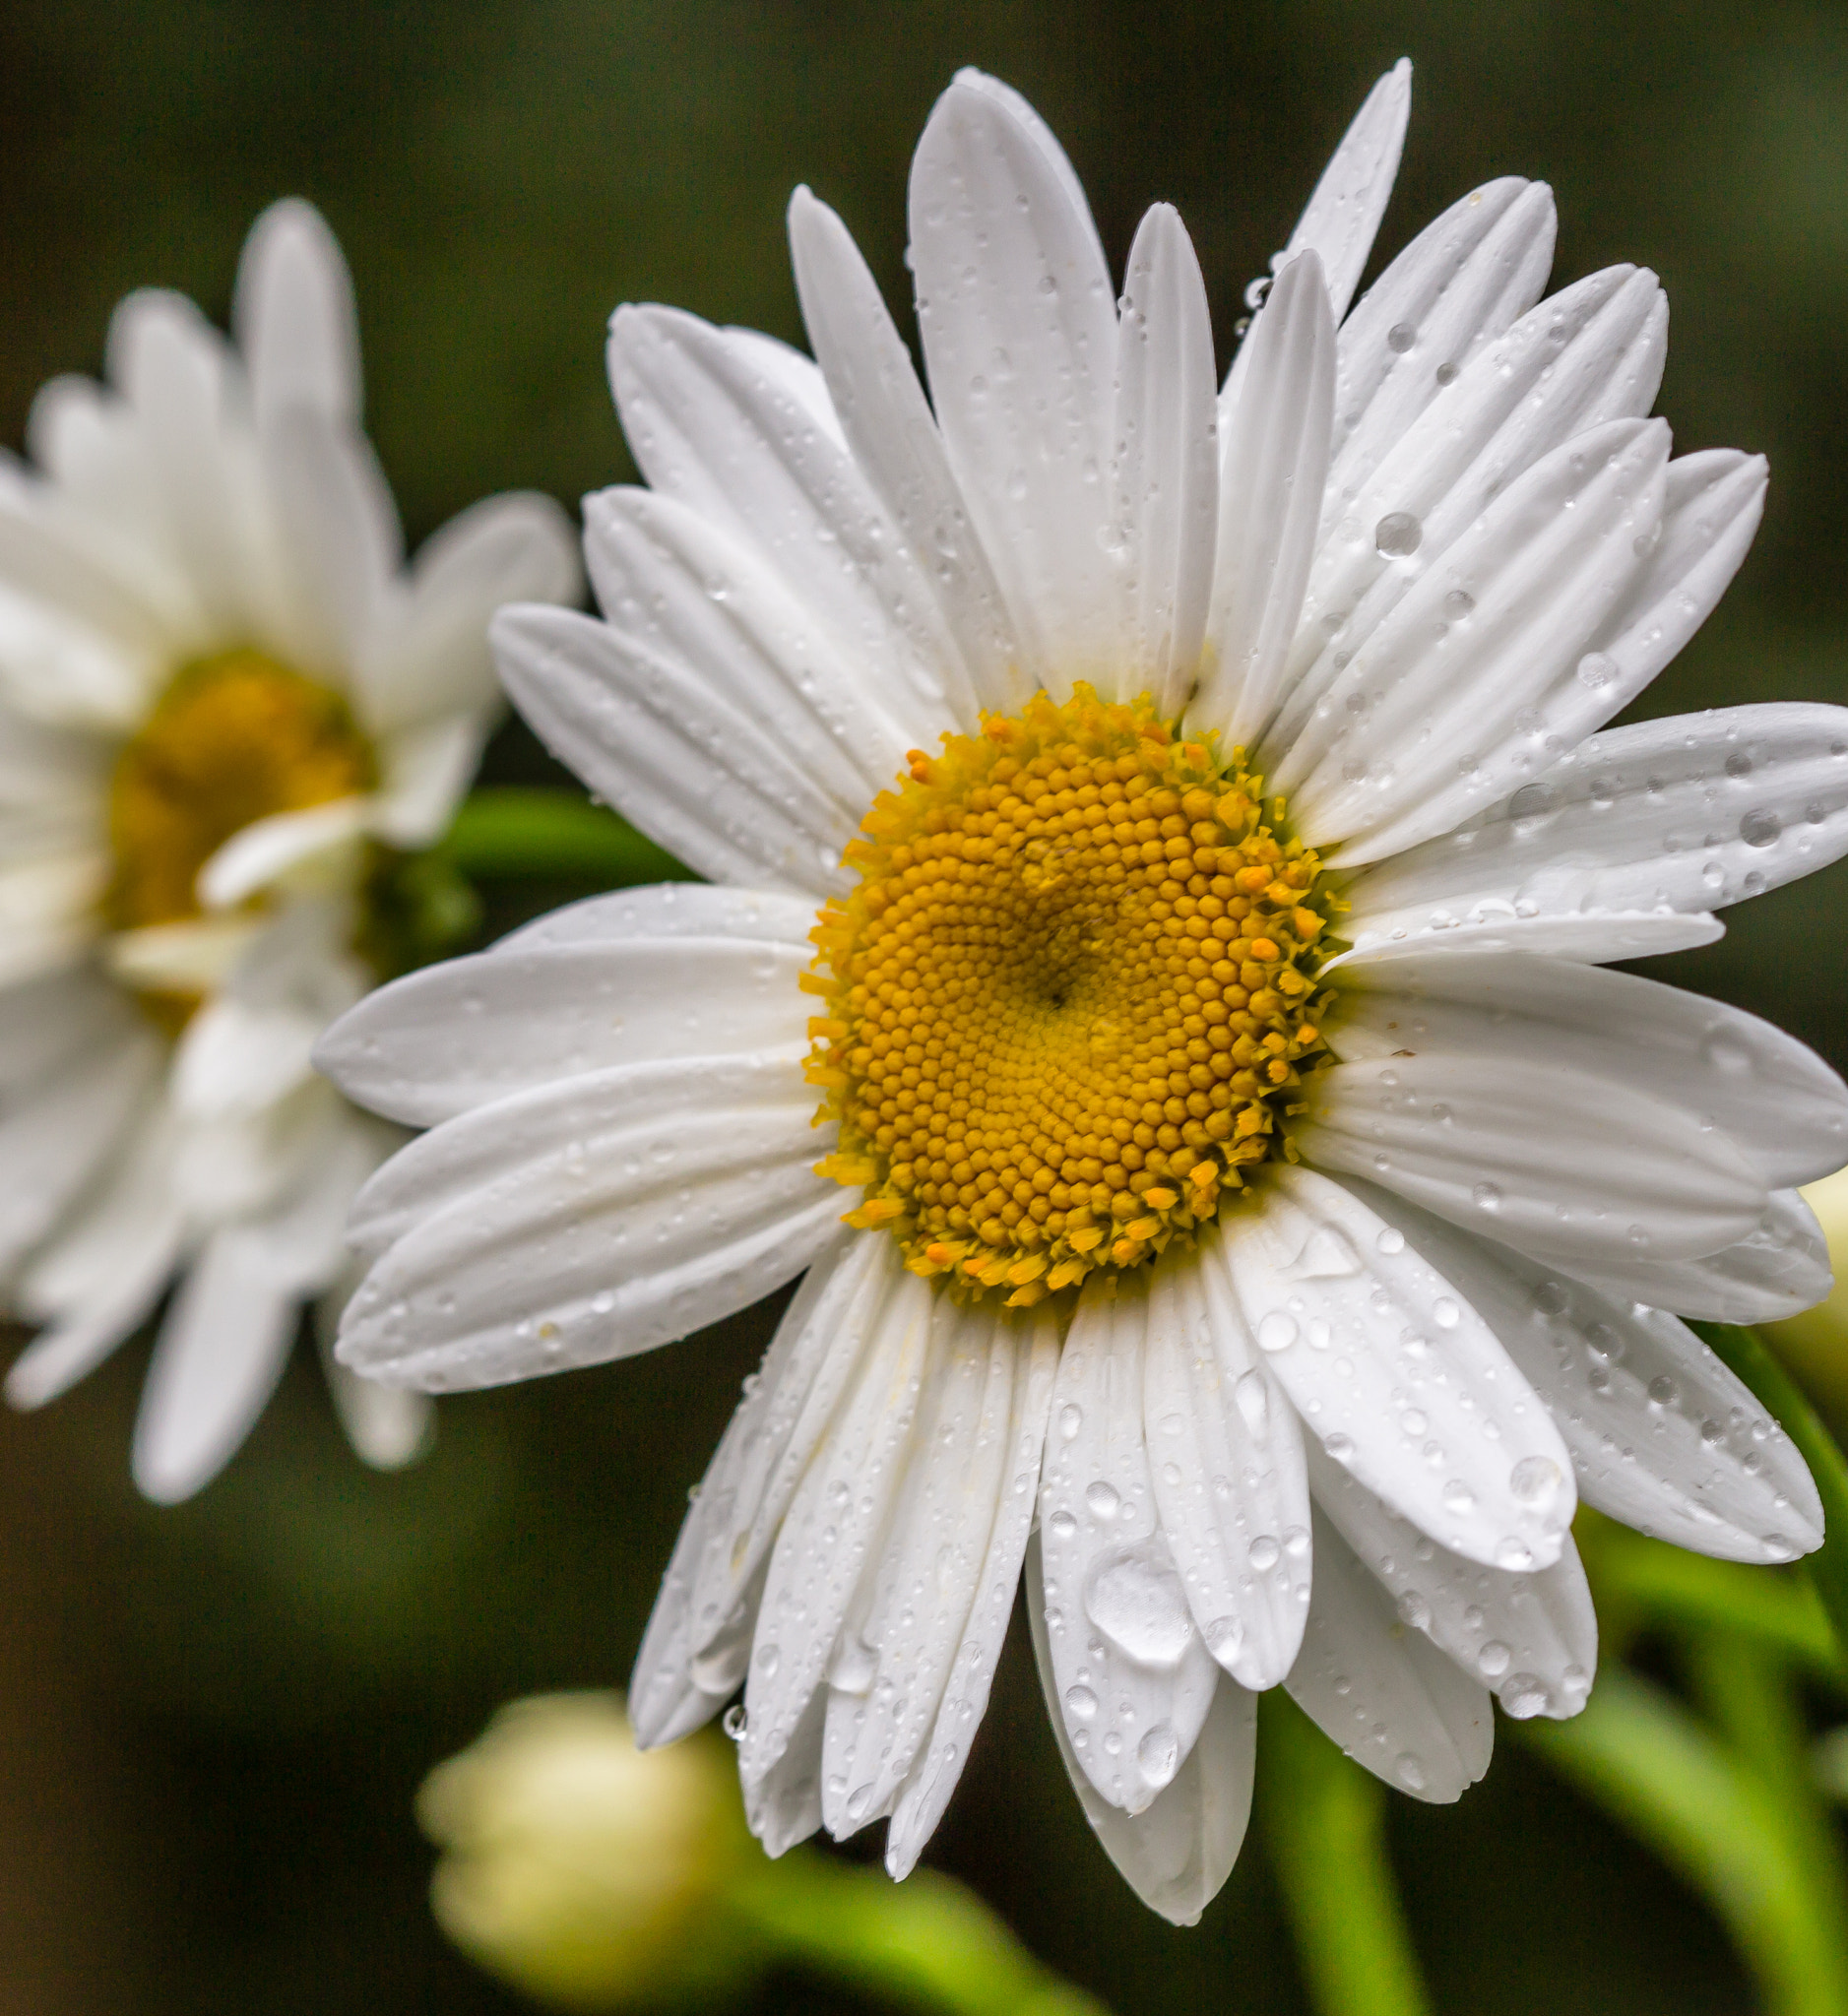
[(1532, 1638), (1396, 1375), (1226, 1461), (450, 1038), (1386, 1695), (1165, 460), (1134, 1675), (1177, 1853)]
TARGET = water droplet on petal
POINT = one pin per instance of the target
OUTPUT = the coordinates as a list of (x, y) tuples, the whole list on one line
[(1158, 1754), (1397, 534)]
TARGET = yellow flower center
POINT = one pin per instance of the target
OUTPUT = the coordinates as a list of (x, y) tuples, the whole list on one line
[(234, 738), (1070, 1004)]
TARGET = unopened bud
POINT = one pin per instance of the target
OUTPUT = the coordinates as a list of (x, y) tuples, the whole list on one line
[(577, 1866)]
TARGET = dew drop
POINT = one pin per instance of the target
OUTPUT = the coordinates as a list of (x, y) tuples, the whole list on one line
[(1487, 1196), (1410, 1771), (1523, 1696), (1102, 1499), (1061, 1525), (1390, 1239), (1224, 1636), (1662, 1390), (1535, 1481), (1265, 1553), (1158, 1754), (1070, 1420), (1277, 1331), (1596, 671), (1254, 1398), (1137, 1601), (1458, 1498), (733, 1722), (1397, 534), (1080, 1703), (1493, 1659), (1760, 829), (1445, 1314), (1340, 1447), (1401, 337), (1513, 1556), (1550, 1300)]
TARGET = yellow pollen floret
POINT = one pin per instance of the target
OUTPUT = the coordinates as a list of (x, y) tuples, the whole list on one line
[(233, 739), (1070, 1002)]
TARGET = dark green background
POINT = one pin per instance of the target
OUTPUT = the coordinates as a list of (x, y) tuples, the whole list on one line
[(212, 1719)]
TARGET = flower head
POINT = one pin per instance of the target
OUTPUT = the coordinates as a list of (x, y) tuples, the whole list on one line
[(226, 709), (1171, 831)]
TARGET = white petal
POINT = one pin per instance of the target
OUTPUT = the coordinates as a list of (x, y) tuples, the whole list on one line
[(340, 528), (1273, 469), (1343, 216), (1458, 285), (926, 1793), (431, 657), (1570, 1166), (1592, 936), (58, 1133), (427, 772), (45, 1022), (1532, 1639), (1436, 716), (1164, 468), (670, 910), (219, 1355), (1685, 814), (833, 1523), (295, 316), (791, 372), (894, 438), (192, 408), (1662, 1434), (1773, 1096), (1400, 1380), (1779, 1269), (695, 610), (1590, 355), (587, 1220), (194, 956), (697, 1645), (784, 1805), (713, 432), (1135, 1678), (267, 849), (1017, 314), (1227, 1458), (390, 1427), (454, 1037), (1177, 1851), (902, 1629), (61, 674), (673, 757), (1386, 1695), (100, 1277)]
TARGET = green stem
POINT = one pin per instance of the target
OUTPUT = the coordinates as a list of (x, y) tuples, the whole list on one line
[(1711, 1817), (1324, 1825), (927, 1943), (1753, 1359), (518, 830)]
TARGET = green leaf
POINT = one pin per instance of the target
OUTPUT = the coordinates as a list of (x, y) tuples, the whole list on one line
[(1324, 1825), (1640, 1754), (519, 830), (927, 1943), (1753, 1359)]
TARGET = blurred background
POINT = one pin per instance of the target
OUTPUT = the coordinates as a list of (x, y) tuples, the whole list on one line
[(213, 1720)]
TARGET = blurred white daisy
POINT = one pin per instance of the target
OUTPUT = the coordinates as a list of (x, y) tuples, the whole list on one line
[(1169, 827), (225, 702)]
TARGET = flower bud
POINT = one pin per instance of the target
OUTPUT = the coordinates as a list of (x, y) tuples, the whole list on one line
[(1815, 1344), (576, 1867)]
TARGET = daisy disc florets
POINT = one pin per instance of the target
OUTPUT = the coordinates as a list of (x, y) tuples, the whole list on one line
[(1070, 1002)]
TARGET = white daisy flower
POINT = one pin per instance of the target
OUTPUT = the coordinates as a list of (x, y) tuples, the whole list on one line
[(1171, 828), (224, 701)]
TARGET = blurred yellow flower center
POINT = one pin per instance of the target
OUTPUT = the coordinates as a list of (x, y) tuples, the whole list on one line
[(1070, 1004), (234, 738)]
